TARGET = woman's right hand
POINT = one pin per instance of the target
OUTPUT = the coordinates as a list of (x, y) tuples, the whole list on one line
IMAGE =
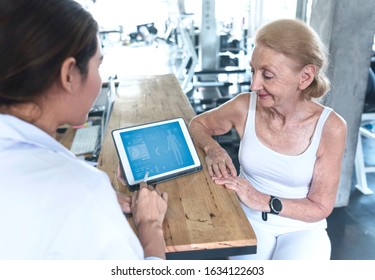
[(149, 205), (219, 163), (148, 208)]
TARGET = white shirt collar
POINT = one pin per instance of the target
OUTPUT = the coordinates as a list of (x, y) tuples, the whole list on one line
[(16, 130)]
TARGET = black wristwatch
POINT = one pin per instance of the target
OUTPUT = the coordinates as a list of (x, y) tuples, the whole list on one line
[(275, 205)]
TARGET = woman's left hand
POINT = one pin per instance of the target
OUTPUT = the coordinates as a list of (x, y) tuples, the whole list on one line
[(125, 202)]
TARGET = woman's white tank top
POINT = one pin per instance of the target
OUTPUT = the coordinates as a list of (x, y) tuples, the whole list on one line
[(271, 172)]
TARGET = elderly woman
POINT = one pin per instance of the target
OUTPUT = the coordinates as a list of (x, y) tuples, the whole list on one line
[(291, 146)]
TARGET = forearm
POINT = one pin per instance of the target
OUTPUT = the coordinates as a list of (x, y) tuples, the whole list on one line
[(320, 200), (296, 209), (304, 210), (218, 161), (152, 240), (202, 136), (310, 209)]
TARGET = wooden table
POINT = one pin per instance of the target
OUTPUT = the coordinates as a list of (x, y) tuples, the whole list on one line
[(203, 220)]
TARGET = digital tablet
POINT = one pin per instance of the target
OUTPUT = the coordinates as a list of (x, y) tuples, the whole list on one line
[(163, 150)]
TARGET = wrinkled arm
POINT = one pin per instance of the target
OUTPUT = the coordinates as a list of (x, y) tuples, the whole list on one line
[(219, 121)]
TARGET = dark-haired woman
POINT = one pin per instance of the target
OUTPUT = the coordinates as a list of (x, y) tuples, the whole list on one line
[(53, 205)]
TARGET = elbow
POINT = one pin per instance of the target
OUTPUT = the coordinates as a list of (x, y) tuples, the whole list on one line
[(322, 213), (326, 212), (194, 123), (196, 126), (314, 211)]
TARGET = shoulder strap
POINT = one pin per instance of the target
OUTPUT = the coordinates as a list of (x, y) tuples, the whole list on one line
[(320, 125)]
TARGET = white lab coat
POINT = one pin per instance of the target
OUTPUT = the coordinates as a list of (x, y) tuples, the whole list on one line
[(54, 205)]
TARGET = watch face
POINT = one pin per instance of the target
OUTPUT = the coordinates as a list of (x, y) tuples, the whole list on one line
[(276, 204)]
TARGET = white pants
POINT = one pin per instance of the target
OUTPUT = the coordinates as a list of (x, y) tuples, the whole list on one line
[(304, 244)]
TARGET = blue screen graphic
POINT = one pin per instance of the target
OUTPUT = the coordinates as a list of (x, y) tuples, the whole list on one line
[(157, 149)]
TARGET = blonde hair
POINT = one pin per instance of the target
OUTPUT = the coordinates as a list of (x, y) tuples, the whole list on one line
[(298, 41)]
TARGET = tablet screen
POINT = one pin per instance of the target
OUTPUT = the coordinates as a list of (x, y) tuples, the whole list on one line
[(163, 149)]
